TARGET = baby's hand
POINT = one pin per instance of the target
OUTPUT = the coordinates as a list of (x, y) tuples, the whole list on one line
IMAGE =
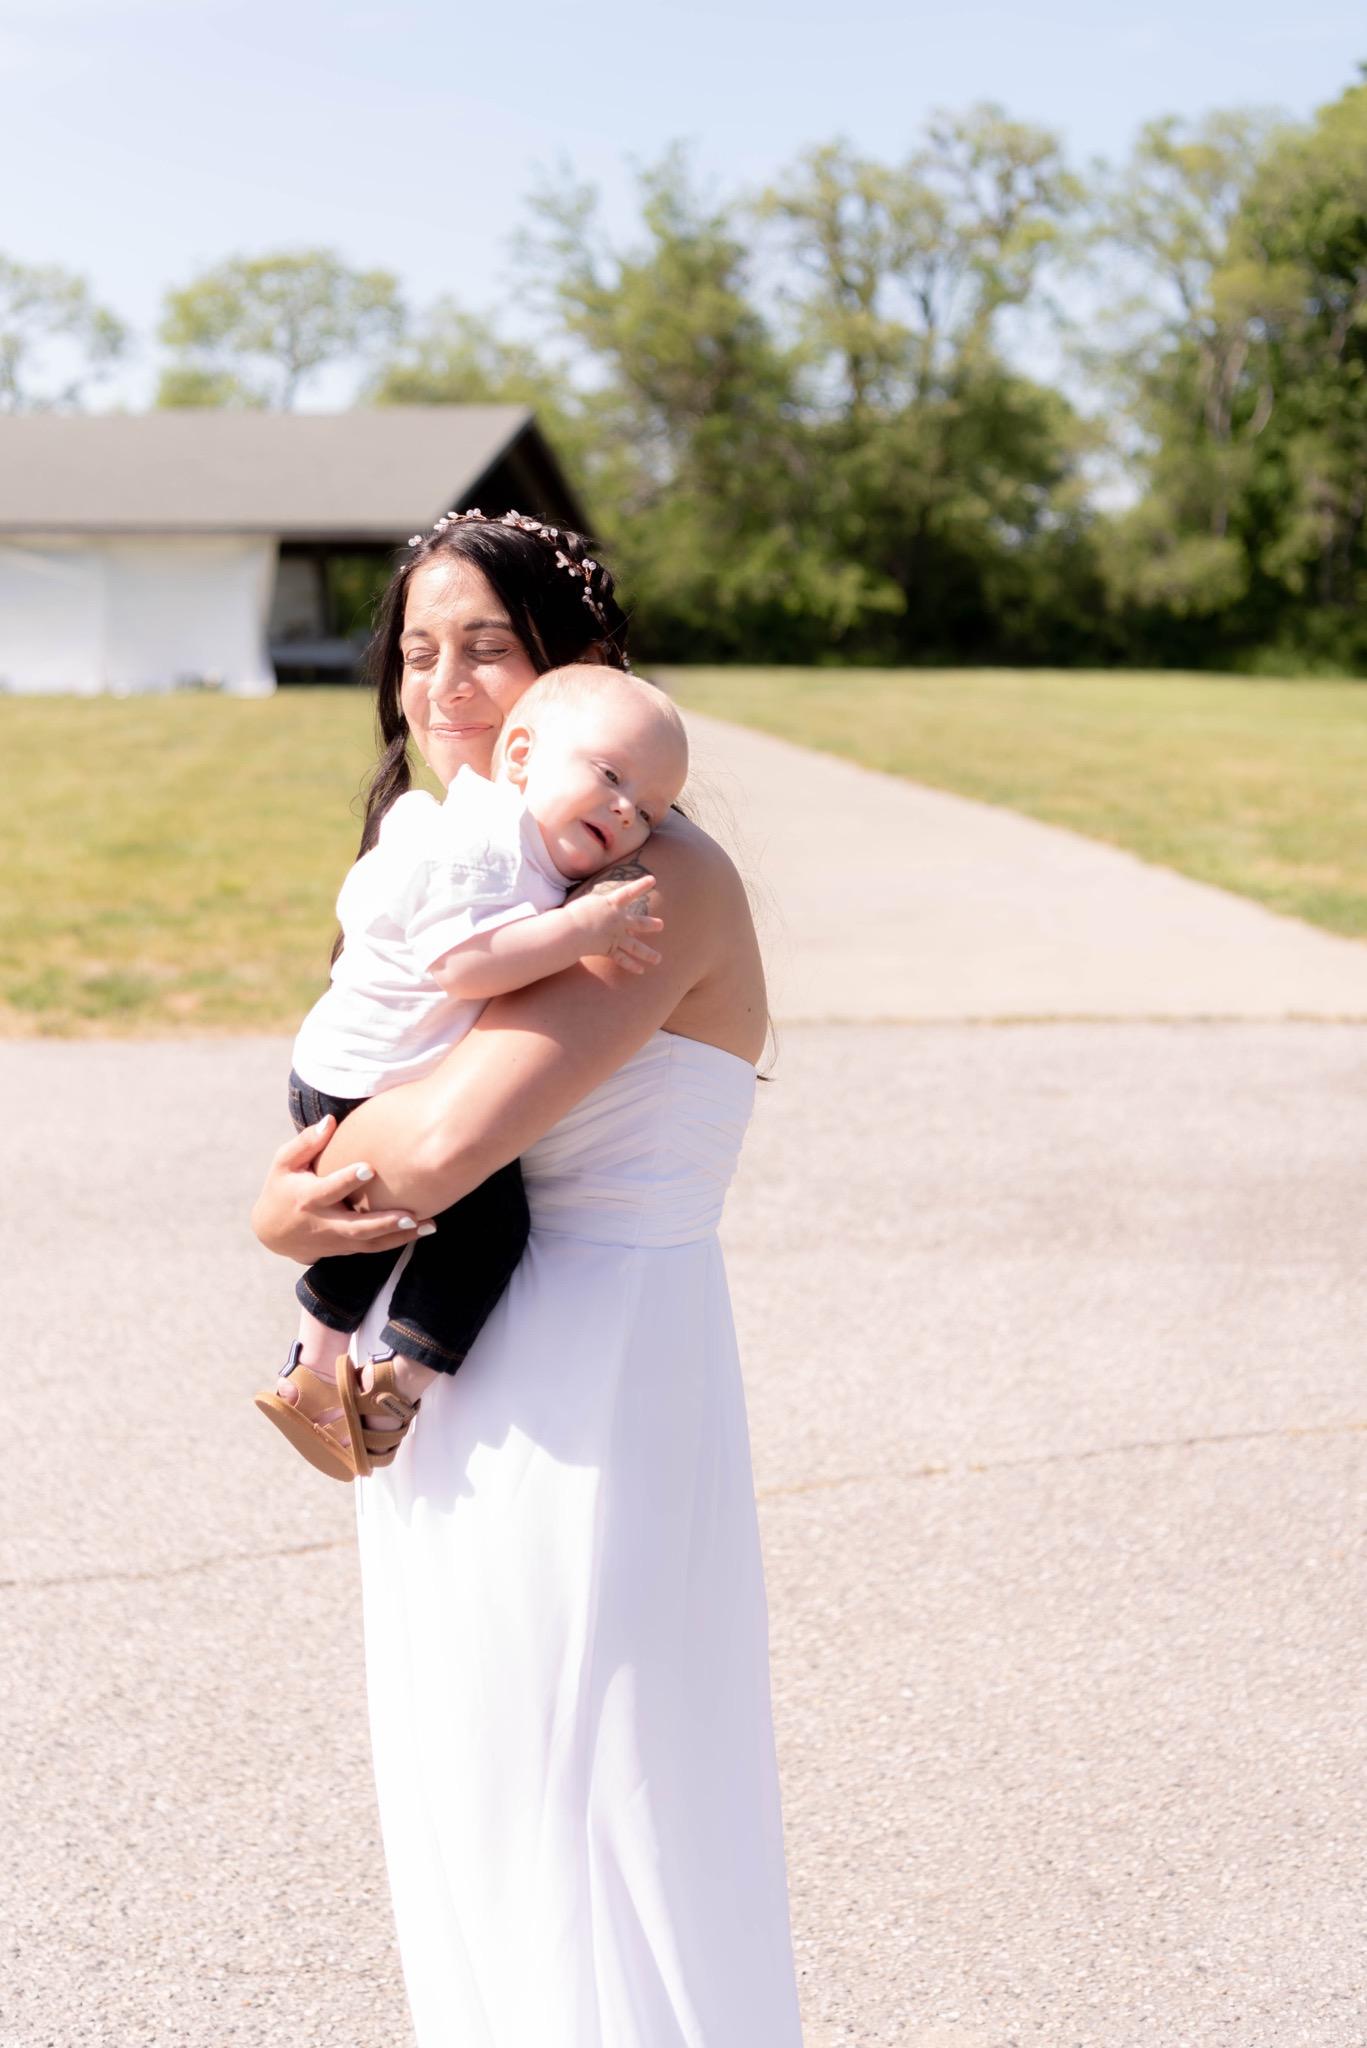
[(611, 919)]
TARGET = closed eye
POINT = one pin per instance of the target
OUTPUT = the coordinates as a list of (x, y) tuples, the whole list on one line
[(645, 817)]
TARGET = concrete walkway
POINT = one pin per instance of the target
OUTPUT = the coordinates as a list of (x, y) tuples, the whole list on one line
[(1053, 1361), (883, 900)]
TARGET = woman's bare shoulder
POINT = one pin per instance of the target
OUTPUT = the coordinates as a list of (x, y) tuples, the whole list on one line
[(713, 970), (697, 877), (701, 891), (683, 857)]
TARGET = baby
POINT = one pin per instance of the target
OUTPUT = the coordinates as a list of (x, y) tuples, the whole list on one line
[(456, 902)]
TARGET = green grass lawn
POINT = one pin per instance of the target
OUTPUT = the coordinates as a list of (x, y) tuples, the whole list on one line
[(1259, 787), (171, 863)]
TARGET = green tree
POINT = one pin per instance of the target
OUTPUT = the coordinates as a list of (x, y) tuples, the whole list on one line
[(1304, 222), (951, 480), (847, 224), (1247, 383), (1187, 354), (54, 339), (186, 385), (455, 357), (254, 330), (699, 468), (907, 268)]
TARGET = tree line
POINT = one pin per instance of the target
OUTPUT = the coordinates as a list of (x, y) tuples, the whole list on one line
[(805, 420)]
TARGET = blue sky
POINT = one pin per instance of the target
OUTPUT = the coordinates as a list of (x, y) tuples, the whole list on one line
[(141, 140)]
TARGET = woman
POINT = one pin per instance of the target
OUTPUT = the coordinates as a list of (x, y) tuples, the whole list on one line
[(565, 1618)]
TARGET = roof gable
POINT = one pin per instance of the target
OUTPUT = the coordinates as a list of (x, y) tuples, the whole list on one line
[(376, 474)]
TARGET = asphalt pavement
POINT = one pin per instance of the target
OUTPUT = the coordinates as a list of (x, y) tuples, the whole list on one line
[(1052, 1345)]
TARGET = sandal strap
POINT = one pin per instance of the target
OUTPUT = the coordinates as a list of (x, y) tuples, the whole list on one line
[(368, 1446), (385, 1393), (376, 1439), (315, 1398)]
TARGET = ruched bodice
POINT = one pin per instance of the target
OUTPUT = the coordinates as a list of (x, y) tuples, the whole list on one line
[(647, 1158)]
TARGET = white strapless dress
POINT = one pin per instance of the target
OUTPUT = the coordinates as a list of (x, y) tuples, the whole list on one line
[(566, 1632)]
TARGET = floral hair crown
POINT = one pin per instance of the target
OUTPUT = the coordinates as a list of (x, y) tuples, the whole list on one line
[(583, 571)]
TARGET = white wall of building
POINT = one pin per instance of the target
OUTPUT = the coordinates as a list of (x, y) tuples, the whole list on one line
[(87, 614)]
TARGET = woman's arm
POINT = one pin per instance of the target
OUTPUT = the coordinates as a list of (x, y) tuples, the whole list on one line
[(532, 1055)]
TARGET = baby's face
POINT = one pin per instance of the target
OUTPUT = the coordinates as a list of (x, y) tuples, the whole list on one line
[(597, 776)]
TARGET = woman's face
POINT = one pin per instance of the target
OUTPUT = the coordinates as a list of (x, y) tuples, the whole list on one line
[(464, 667)]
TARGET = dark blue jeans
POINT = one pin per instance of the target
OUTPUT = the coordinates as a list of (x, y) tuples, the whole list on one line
[(452, 1280)]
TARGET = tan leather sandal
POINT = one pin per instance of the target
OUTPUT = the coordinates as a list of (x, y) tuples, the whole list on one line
[(373, 1447), (332, 1433)]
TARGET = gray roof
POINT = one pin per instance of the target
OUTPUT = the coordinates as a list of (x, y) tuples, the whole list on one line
[(366, 475)]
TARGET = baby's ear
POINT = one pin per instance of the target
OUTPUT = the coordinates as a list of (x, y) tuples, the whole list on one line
[(516, 753)]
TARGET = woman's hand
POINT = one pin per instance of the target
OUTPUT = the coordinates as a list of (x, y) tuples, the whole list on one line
[(306, 1216)]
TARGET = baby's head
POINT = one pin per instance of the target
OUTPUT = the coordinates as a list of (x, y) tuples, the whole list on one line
[(599, 757)]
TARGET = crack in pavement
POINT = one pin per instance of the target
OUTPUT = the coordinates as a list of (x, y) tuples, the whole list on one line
[(175, 1571), (963, 1469), (1284, 1431)]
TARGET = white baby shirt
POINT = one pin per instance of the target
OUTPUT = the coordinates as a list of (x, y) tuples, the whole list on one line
[(439, 873)]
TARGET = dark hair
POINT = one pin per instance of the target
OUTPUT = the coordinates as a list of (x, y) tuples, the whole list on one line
[(560, 598)]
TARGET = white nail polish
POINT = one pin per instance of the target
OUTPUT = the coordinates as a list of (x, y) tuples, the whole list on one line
[(407, 1223), (365, 1173), (427, 1230)]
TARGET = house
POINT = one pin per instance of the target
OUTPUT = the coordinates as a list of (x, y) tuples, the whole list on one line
[(235, 549)]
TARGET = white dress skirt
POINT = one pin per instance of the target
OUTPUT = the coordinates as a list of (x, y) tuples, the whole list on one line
[(566, 1630)]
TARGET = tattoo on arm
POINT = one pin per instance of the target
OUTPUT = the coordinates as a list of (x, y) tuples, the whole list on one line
[(610, 878)]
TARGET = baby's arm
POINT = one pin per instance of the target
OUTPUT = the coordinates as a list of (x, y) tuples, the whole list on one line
[(512, 956)]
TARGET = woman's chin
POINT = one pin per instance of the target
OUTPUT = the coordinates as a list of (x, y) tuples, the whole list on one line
[(446, 758)]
